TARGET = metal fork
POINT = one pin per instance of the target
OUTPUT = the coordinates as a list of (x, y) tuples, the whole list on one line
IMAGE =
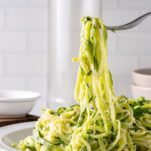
[(130, 24)]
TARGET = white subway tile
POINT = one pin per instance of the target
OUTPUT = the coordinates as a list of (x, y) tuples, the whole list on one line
[(26, 19), (37, 42), (11, 42), (117, 17), (124, 86), (1, 18), (145, 26), (1, 65), (134, 4), (12, 3), (38, 85), (109, 4), (37, 3), (122, 65), (112, 42), (25, 65), (134, 43), (145, 61), (12, 83)]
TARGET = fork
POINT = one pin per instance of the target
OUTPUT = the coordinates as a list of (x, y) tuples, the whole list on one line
[(130, 24)]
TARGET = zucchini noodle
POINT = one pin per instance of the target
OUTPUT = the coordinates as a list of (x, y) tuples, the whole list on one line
[(101, 121)]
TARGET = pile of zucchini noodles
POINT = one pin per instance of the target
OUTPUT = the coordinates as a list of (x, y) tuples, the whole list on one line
[(100, 121)]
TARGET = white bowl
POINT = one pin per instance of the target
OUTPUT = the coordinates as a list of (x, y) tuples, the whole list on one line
[(142, 77), (138, 91), (16, 103)]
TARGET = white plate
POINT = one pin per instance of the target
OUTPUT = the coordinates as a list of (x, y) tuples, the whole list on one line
[(13, 134)]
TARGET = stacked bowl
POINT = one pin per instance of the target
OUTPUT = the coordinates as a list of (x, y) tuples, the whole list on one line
[(141, 83)]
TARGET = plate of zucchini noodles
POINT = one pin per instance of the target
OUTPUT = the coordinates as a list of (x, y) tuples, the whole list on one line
[(101, 120)]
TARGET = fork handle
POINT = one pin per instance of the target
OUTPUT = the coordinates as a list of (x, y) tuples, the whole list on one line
[(130, 24)]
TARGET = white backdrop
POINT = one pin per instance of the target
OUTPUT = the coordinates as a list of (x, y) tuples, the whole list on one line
[(24, 44)]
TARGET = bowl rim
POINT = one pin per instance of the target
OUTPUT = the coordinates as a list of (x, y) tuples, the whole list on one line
[(33, 98), (137, 72), (140, 87)]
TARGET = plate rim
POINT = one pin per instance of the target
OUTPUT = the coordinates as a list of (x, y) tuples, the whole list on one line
[(12, 128)]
